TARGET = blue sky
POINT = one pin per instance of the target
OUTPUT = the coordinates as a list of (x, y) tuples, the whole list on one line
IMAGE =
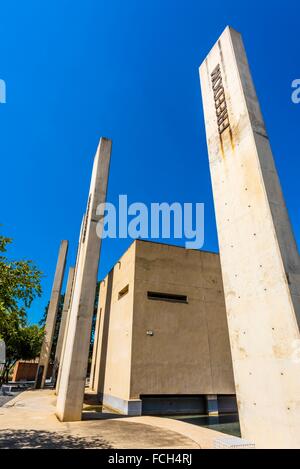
[(128, 70)]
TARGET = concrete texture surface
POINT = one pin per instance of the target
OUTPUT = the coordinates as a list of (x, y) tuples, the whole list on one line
[(29, 421), (175, 359), (259, 256)]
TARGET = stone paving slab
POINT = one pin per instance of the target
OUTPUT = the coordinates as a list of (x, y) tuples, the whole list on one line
[(29, 421)]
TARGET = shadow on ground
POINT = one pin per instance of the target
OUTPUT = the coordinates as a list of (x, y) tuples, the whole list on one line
[(13, 439)]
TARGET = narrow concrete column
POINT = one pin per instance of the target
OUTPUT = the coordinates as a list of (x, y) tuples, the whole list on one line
[(68, 314), (63, 324), (212, 406), (101, 354), (51, 316), (74, 364), (259, 257), (96, 347)]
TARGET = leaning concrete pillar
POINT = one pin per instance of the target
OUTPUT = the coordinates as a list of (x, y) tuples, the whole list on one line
[(51, 316), (68, 314), (259, 257), (74, 364), (63, 323), (105, 296)]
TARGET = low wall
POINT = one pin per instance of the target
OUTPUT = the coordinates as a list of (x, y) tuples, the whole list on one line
[(26, 371)]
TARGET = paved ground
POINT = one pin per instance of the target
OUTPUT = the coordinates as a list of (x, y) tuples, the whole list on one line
[(29, 421), (6, 399)]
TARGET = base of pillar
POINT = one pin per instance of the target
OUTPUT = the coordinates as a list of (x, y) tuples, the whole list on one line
[(132, 407)]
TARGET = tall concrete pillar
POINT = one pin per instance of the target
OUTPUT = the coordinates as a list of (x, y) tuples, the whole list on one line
[(96, 348), (74, 364), (51, 316), (259, 257), (63, 323)]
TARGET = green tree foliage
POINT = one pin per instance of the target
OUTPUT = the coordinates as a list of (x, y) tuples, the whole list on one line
[(19, 285), (22, 341)]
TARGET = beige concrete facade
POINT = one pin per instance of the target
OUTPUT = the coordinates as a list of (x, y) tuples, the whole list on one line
[(75, 357), (173, 346), (52, 315), (259, 257)]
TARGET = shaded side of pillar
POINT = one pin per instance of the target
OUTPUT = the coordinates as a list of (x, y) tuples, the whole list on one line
[(63, 323), (212, 406), (74, 365), (51, 316)]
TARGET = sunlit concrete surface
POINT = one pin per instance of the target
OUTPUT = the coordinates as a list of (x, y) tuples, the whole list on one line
[(259, 256), (52, 315), (29, 421)]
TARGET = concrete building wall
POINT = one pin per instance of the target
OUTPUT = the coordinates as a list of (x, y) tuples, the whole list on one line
[(159, 347), (118, 359), (189, 352)]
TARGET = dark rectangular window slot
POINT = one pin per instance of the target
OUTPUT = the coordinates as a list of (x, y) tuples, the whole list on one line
[(167, 297), (123, 292)]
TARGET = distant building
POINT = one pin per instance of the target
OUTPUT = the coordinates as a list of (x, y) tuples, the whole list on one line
[(25, 370), (161, 340)]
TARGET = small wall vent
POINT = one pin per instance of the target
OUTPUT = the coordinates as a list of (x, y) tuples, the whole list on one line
[(173, 298)]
